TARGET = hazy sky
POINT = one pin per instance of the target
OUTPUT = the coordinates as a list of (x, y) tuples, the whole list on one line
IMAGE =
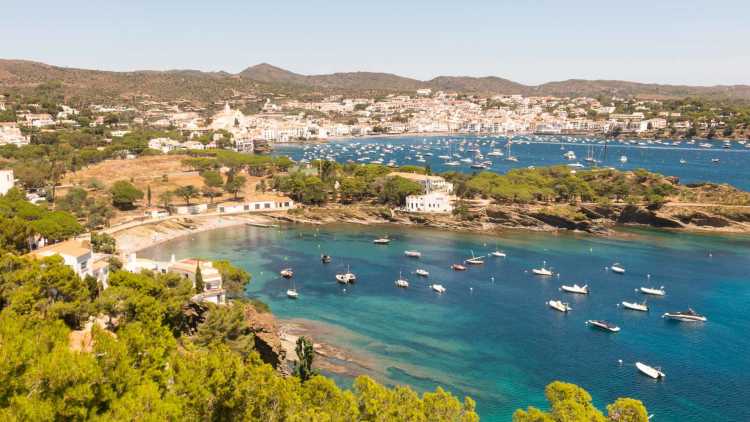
[(666, 41)]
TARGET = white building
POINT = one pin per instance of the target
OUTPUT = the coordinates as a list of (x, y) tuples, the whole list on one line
[(244, 144), (258, 203), (191, 209), (429, 183), (213, 285), (10, 134), (78, 255), (433, 202), (7, 181)]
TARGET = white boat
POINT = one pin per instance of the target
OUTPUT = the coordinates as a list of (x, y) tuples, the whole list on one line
[(292, 294), (649, 370), (347, 277), (401, 282), (617, 268), (570, 155), (382, 241), (685, 316), (422, 273), (653, 291), (559, 305), (413, 254), (498, 254), (623, 159), (474, 260), (495, 153), (438, 288), (634, 306), (582, 290), (453, 163), (542, 271), (683, 161), (603, 325), (287, 273)]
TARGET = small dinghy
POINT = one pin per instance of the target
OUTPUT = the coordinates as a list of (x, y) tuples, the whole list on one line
[(458, 267), (581, 290), (650, 371)]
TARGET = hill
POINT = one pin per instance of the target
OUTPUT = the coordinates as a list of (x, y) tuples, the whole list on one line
[(211, 86)]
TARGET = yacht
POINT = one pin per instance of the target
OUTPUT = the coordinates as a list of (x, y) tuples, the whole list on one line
[(458, 267), (685, 316), (287, 273), (652, 372), (438, 288), (413, 254), (617, 268), (653, 291), (603, 325), (623, 159), (326, 259), (542, 271), (382, 241), (421, 272), (634, 306), (582, 290), (559, 305), (715, 160), (498, 254), (495, 153), (291, 293), (570, 155), (401, 282)]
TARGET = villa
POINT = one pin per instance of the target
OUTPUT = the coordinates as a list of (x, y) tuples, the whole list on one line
[(79, 256), (213, 285), (257, 203)]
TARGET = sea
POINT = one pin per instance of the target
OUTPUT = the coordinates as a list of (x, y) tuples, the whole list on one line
[(491, 335), (687, 160)]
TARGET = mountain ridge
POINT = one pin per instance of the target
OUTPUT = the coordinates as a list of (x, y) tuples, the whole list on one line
[(202, 85)]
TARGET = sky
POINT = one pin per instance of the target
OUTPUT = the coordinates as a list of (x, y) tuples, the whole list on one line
[(528, 41)]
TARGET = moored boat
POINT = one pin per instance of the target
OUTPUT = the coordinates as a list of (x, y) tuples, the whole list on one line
[(382, 241), (402, 282), (544, 271), (634, 306), (650, 371), (653, 291), (292, 294), (582, 290), (413, 254), (438, 288), (559, 305), (422, 272), (326, 259), (685, 316), (287, 273), (603, 325), (498, 254), (617, 268), (458, 267), (474, 260)]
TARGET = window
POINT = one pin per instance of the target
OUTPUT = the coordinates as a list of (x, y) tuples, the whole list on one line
[(266, 205), (257, 206), (247, 207)]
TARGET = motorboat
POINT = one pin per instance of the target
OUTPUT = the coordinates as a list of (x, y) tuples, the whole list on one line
[(498, 254), (623, 159), (413, 254), (544, 271), (421, 272), (292, 294), (653, 291), (715, 160), (617, 268), (495, 153), (650, 371), (559, 305), (326, 259), (634, 306), (402, 282), (458, 267), (382, 241), (582, 290), (287, 273), (474, 260), (685, 316), (438, 288), (603, 325)]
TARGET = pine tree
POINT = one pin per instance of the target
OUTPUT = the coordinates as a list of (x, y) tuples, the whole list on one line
[(198, 278), (305, 356), (148, 195)]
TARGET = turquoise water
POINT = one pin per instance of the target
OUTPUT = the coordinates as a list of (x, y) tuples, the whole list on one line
[(494, 339), (546, 151)]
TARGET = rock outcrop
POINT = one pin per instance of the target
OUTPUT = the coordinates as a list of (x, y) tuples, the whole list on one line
[(267, 337)]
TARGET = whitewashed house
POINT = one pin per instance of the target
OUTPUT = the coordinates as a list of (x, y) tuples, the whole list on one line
[(79, 256), (7, 181)]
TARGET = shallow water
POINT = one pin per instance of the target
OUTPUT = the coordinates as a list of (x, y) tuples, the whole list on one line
[(546, 151), (495, 339)]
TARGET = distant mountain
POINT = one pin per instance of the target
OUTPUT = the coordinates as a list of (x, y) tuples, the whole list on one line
[(211, 86)]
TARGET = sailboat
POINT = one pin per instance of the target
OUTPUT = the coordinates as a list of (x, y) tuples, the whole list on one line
[(347, 277), (474, 260), (542, 271), (401, 282), (292, 292), (509, 156)]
